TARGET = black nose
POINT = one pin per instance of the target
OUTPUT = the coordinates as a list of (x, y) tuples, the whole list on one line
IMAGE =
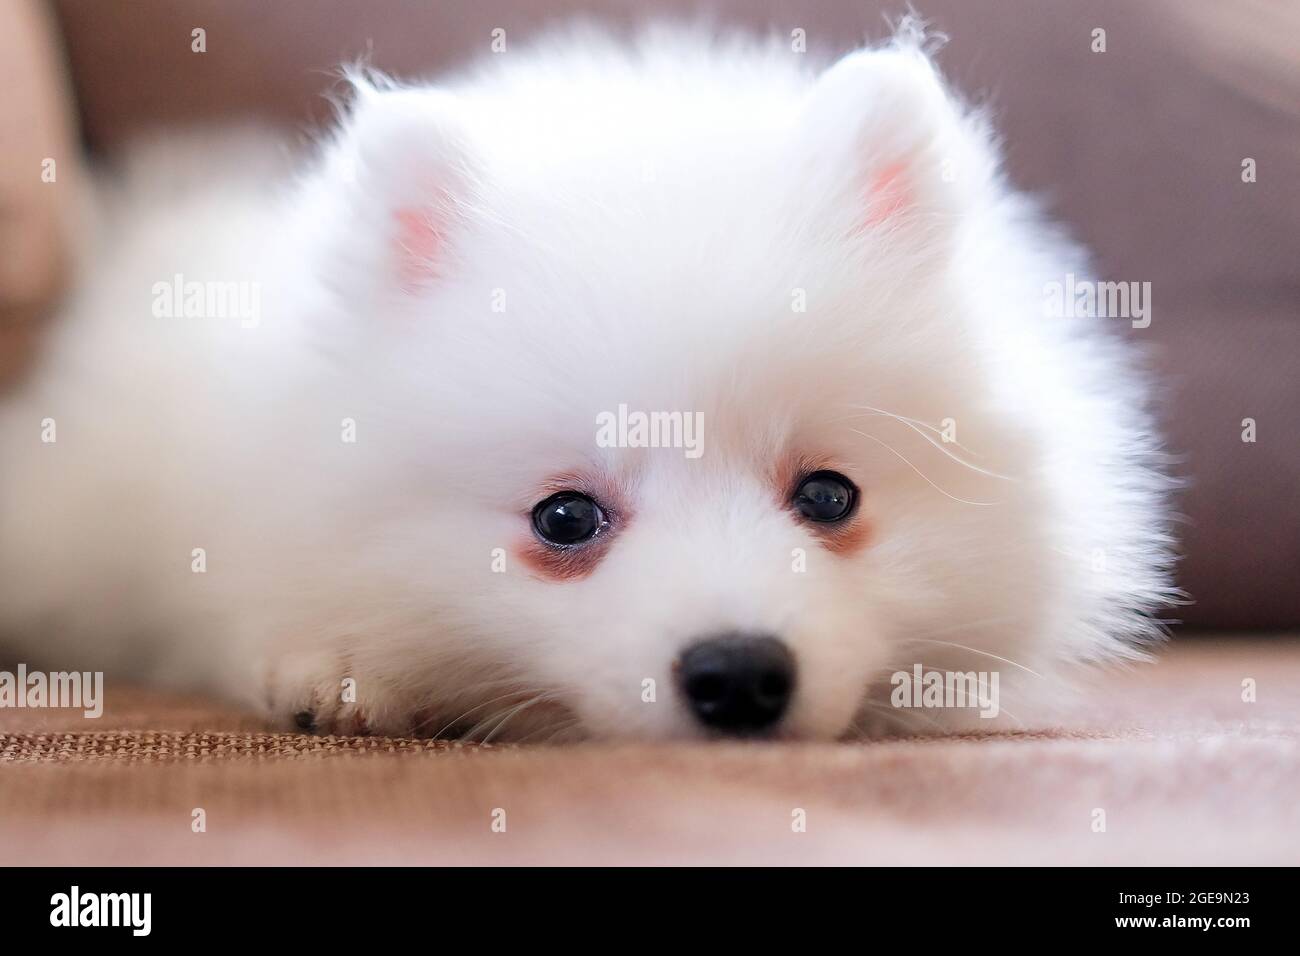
[(738, 684)]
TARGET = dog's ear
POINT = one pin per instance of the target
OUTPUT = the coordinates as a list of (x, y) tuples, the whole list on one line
[(406, 177), (889, 139)]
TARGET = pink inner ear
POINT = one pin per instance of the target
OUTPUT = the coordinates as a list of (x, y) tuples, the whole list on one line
[(419, 244), (888, 194)]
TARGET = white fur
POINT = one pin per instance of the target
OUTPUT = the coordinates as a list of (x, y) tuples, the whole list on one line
[(648, 212)]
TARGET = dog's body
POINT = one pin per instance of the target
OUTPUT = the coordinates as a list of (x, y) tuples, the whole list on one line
[(322, 499)]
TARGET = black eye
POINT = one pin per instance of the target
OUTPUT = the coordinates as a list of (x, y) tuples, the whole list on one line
[(825, 496), (568, 518)]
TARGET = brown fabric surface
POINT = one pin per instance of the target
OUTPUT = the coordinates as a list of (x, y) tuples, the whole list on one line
[(1184, 769), (135, 746)]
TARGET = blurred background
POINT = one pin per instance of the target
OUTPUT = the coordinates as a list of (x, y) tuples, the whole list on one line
[(1139, 149)]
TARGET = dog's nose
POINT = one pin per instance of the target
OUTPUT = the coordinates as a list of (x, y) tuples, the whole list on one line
[(737, 683)]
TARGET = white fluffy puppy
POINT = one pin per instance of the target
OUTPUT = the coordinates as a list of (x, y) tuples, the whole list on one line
[(665, 390)]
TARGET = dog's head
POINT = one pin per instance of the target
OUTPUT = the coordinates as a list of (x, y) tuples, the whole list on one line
[(681, 414)]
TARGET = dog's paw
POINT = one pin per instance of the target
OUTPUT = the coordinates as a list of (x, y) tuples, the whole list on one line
[(319, 691), (323, 694)]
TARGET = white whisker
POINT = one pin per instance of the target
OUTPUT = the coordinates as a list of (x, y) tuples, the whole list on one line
[(894, 451), (512, 713), (456, 720), (554, 729), (916, 426), (910, 421), (976, 650)]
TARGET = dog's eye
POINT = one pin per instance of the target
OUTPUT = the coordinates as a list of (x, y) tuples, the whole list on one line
[(568, 518), (825, 496)]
